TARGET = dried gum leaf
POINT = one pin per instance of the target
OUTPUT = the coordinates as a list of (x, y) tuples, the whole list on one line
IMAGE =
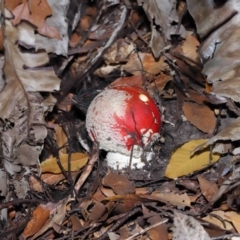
[(40, 216), (215, 220), (209, 189), (201, 116)]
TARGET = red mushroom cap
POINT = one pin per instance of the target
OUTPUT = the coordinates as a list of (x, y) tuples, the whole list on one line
[(121, 117)]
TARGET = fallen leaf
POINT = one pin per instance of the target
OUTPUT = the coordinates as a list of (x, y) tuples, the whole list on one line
[(162, 14), (206, 122), (188, 228), (144, 64), (61, 138), (190, 47), (39, 217), (231, 132), (97, 211), (214, 218), (47, 178), (58, 212), (133, 80), (173, 198), (78, 160), (181, 163), (234, 218), (40, 10), (159, 232), (76, 224), (209, 189), (11, 4), (120, 184)]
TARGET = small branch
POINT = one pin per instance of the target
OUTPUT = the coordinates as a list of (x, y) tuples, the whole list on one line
[(88, 169)]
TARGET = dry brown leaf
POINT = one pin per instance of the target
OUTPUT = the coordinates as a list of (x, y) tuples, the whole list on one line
[(98, 195), (133, 80), (190, 46), (201, 116), (174, 198), (142, 191), (107, 192), (209, 189), (48, 178), (144, 64), (221, 45), (234, 218), (159, 232), (76, 224), (35, 12), (162, 14), (49, 31), (61, 138), (97, 211), (120, 184), (215, 220), (161, 81), (58, 213), (39, 217), (11, 4), (231, 132), (119, 52), (124, 206), (196, 97)]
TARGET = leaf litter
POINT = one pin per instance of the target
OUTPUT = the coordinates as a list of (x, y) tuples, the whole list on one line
[(57, 56)]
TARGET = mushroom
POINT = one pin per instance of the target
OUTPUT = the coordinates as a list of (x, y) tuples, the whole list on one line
[(123, 119)]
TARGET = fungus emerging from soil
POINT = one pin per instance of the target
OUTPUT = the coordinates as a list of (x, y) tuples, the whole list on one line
[(123, 119)]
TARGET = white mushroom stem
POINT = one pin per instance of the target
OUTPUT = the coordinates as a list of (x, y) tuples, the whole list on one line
[(118, 161)]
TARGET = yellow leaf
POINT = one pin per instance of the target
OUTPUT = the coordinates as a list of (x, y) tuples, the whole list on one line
[(181, 163), (78, 160), (235, 218), (218, 218)]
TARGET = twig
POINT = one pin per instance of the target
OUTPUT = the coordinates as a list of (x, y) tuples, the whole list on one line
[(16, 202), (147, 229), (120, 222), (88, 169)]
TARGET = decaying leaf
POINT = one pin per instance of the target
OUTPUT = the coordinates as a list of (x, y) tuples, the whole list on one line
[(221, 46), (181, 163), (35, 12), (57, 214), (163, 15), (77, 161), (187, 228), (23, 125), (158, 232), (55, 44), (230, 133), (215, 217), (173, 198), (234, 218), (206, 122), (209, 189), (40, 216), (144, 64), (120, 184)]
